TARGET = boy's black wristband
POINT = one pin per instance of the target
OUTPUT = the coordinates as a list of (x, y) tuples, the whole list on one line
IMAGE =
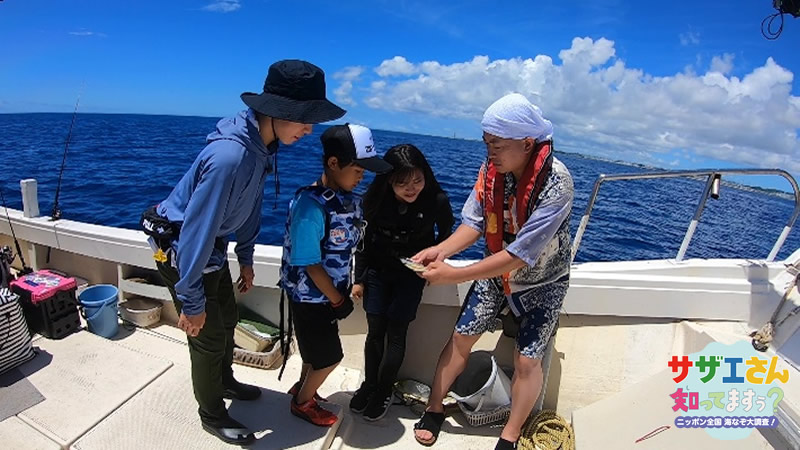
[(344, 308)]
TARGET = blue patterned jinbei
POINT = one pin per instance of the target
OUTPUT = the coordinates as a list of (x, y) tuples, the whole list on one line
[(537, 290)]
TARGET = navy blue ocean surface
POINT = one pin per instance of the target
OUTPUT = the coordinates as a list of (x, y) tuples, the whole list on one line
[(118, 165)]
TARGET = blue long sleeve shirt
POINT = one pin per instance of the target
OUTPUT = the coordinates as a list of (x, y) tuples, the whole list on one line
[(220, 195)]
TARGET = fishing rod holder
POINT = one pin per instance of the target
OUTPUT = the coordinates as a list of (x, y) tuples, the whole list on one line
[(6, 258)]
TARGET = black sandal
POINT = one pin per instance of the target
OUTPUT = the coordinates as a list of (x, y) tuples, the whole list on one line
[(503, 444), (430, 421)]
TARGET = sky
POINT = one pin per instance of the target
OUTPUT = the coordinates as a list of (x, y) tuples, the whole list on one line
[(678, 85)]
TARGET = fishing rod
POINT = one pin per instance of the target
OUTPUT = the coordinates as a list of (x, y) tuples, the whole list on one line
[(10, 257), (56, 213)]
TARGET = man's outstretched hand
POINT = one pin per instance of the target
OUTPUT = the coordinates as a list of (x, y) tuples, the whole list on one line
[(429, 255)]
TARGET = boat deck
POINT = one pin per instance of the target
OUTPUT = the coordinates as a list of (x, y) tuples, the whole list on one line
[(135, 392)]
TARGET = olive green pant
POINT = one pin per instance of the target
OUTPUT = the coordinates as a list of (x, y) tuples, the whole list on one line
[(211, 351)]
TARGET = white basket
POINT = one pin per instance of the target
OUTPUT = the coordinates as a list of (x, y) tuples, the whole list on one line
[(272, 358), (141, 311), (479, 419)]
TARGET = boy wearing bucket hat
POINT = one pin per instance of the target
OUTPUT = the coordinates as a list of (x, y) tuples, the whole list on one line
[(521, 205), (324, 227), (220, 195)]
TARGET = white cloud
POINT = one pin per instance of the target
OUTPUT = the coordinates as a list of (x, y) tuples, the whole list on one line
[(349, 73), (585, 51), (722, 64), (223, 6), (601, 106), (689, 38), (396, 66), (87, 33), (343, 94)]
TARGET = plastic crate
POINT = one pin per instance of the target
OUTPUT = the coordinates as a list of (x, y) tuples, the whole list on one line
[(271, 358), (49, 303)]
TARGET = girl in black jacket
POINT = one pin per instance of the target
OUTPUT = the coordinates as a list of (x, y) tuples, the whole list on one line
[(406, 211)]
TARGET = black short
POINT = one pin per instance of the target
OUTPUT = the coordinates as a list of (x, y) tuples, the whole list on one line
[(317, 334)]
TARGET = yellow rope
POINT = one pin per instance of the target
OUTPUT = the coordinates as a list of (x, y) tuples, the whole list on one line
[(546, 431)]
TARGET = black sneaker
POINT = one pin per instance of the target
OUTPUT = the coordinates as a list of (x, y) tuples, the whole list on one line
[(378, 406), (229, 431), (240, 391), (361, 398)]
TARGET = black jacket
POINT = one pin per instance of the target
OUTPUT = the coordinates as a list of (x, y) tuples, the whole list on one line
[(401, 230)]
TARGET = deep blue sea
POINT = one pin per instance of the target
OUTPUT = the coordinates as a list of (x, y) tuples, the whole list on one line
[(119, 164)]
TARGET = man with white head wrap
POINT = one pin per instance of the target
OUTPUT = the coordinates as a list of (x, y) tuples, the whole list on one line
[(521, 205), (514, 117)]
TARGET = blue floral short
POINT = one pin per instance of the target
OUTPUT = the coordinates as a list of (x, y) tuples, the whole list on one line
[(486, 299)]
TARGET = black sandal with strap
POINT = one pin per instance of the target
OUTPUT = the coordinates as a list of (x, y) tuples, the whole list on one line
[(430, 421)]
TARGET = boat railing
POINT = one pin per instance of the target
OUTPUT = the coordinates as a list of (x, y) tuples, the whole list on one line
[(713, 179)]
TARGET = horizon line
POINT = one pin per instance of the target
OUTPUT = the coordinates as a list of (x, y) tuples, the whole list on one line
[(766, 190)]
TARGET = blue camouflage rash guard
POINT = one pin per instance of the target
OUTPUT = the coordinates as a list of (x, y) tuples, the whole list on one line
[(323, 227)]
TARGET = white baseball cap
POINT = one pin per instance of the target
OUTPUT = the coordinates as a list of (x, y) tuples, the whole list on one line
[(353, 143)]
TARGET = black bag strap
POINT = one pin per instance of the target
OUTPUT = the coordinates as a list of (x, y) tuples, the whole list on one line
[(285, 341)]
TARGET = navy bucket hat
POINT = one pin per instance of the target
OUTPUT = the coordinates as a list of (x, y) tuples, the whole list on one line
[(295, 91)]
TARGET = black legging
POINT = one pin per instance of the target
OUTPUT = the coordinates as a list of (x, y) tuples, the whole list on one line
[(384, 350)]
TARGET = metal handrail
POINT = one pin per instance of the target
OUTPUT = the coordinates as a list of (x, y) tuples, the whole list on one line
[(712, 183)]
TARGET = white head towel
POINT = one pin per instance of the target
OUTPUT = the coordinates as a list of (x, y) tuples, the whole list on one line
[(514, 117)]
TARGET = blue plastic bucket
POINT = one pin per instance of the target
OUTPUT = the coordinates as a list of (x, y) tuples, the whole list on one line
[(99, 304)]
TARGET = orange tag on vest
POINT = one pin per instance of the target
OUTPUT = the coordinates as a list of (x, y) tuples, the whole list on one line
[(491, 223)]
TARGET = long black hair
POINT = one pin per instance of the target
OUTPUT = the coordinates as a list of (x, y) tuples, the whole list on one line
[(405, 159)]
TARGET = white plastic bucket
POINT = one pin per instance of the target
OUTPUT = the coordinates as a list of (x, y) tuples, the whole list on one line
[(495, 393)]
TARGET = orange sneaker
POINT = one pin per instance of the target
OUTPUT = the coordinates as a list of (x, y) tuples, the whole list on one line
[(311, 411), (296, 390)]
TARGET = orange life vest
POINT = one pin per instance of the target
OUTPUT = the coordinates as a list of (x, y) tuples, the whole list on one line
[(491, 187)]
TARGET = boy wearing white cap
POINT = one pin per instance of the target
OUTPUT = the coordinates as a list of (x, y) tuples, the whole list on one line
[(521, 205), (325, 225)]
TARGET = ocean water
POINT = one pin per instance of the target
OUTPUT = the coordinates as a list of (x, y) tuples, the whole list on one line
[(120, 164)]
